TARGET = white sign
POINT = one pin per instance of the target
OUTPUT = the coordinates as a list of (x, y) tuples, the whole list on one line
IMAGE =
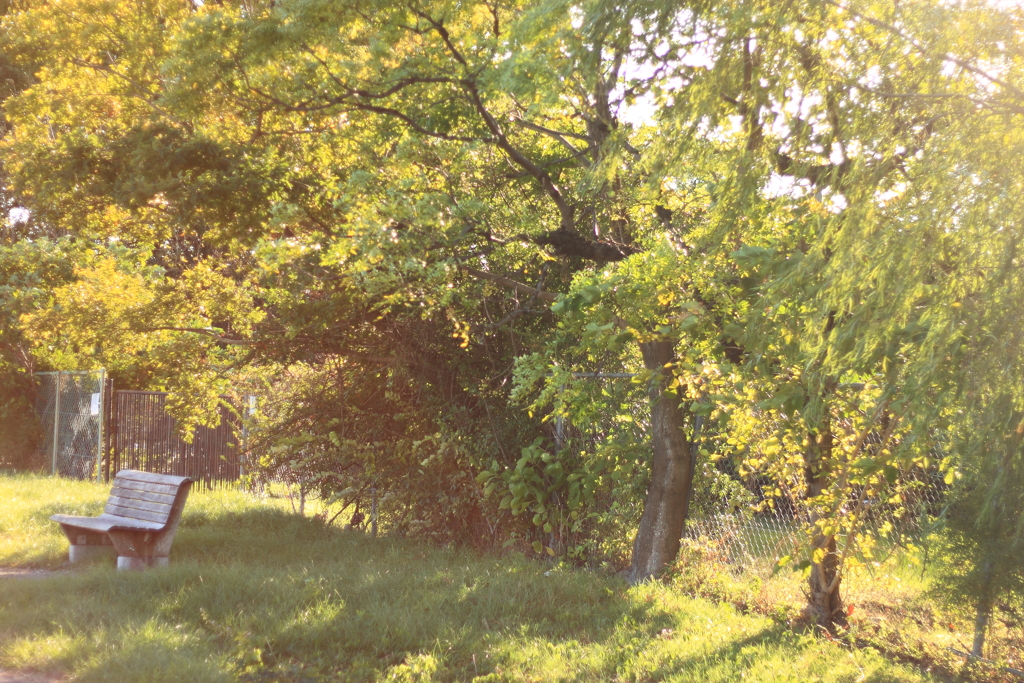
[(94, 406)]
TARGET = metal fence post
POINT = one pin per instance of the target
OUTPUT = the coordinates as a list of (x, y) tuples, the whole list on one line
[(108, 421), (248, 412), (56, 423), (99, 428), (373, 511)]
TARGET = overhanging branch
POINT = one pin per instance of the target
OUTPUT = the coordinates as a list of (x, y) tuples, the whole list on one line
[(509, 283), (208, 332)]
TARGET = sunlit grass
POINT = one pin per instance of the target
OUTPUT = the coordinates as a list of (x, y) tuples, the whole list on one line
[(257, 593), (27, 536)]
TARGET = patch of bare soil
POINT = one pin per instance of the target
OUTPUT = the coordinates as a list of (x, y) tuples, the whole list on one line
[(17, 573), (26, 677)]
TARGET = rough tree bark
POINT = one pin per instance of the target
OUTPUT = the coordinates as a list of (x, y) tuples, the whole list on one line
[(824, 599), (661, 526), (984, 609)]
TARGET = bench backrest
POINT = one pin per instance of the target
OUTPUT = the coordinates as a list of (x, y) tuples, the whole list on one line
[(146, 496)]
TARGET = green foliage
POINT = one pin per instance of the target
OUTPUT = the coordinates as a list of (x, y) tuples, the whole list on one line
[(340, 430), (817, 205), (29, 273), (977, 563), (580, 504)]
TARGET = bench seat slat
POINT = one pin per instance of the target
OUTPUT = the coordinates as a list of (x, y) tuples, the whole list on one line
[(106, 522), (132, 513), (135, 504), (134, 494), (145, 486), (149, 477)]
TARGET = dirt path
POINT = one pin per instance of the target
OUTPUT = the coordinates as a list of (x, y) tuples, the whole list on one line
[(25, 677), (17, 573)]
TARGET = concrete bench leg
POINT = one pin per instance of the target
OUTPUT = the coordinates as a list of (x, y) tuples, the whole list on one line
[(85, 553), (142, 550), (87, 545), (140, 563)]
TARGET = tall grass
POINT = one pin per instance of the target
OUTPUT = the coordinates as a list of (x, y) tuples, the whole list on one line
[(256, 593)]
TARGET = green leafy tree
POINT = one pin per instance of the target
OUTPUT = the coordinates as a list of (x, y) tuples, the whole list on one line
[(797, 225), (850, 156), (979, 555), (468, 97)]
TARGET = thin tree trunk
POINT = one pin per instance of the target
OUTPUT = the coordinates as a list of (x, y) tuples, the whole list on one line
[(824, 599), (984, 609), (661, 526), (989, 544)]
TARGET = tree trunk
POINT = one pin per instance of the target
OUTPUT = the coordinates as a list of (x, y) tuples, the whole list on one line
[(824, 600), (661, 526), (984, 609)]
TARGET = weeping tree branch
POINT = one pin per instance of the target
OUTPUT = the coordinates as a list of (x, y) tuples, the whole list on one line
[(922, 49), (749, 105)]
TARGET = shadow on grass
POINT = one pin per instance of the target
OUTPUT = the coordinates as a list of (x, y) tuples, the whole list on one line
[(778, 653), (728, 655), (260, 595), (267, 590)]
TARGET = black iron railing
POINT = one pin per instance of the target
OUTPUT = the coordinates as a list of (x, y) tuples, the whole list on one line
[(144, 437)]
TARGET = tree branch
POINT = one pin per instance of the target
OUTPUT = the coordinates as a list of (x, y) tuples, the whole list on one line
[(220, 339), (523, 309), (509, 283), (560, 137), (499, 138)]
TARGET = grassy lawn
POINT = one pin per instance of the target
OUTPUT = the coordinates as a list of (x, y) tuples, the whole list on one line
[(257, 593)]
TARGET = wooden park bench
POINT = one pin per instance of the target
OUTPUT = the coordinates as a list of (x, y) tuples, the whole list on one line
[(139, 521)]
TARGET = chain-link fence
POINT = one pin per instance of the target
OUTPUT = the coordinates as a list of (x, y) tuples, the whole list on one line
[(70, 406), (733, 520), (891, 515)]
